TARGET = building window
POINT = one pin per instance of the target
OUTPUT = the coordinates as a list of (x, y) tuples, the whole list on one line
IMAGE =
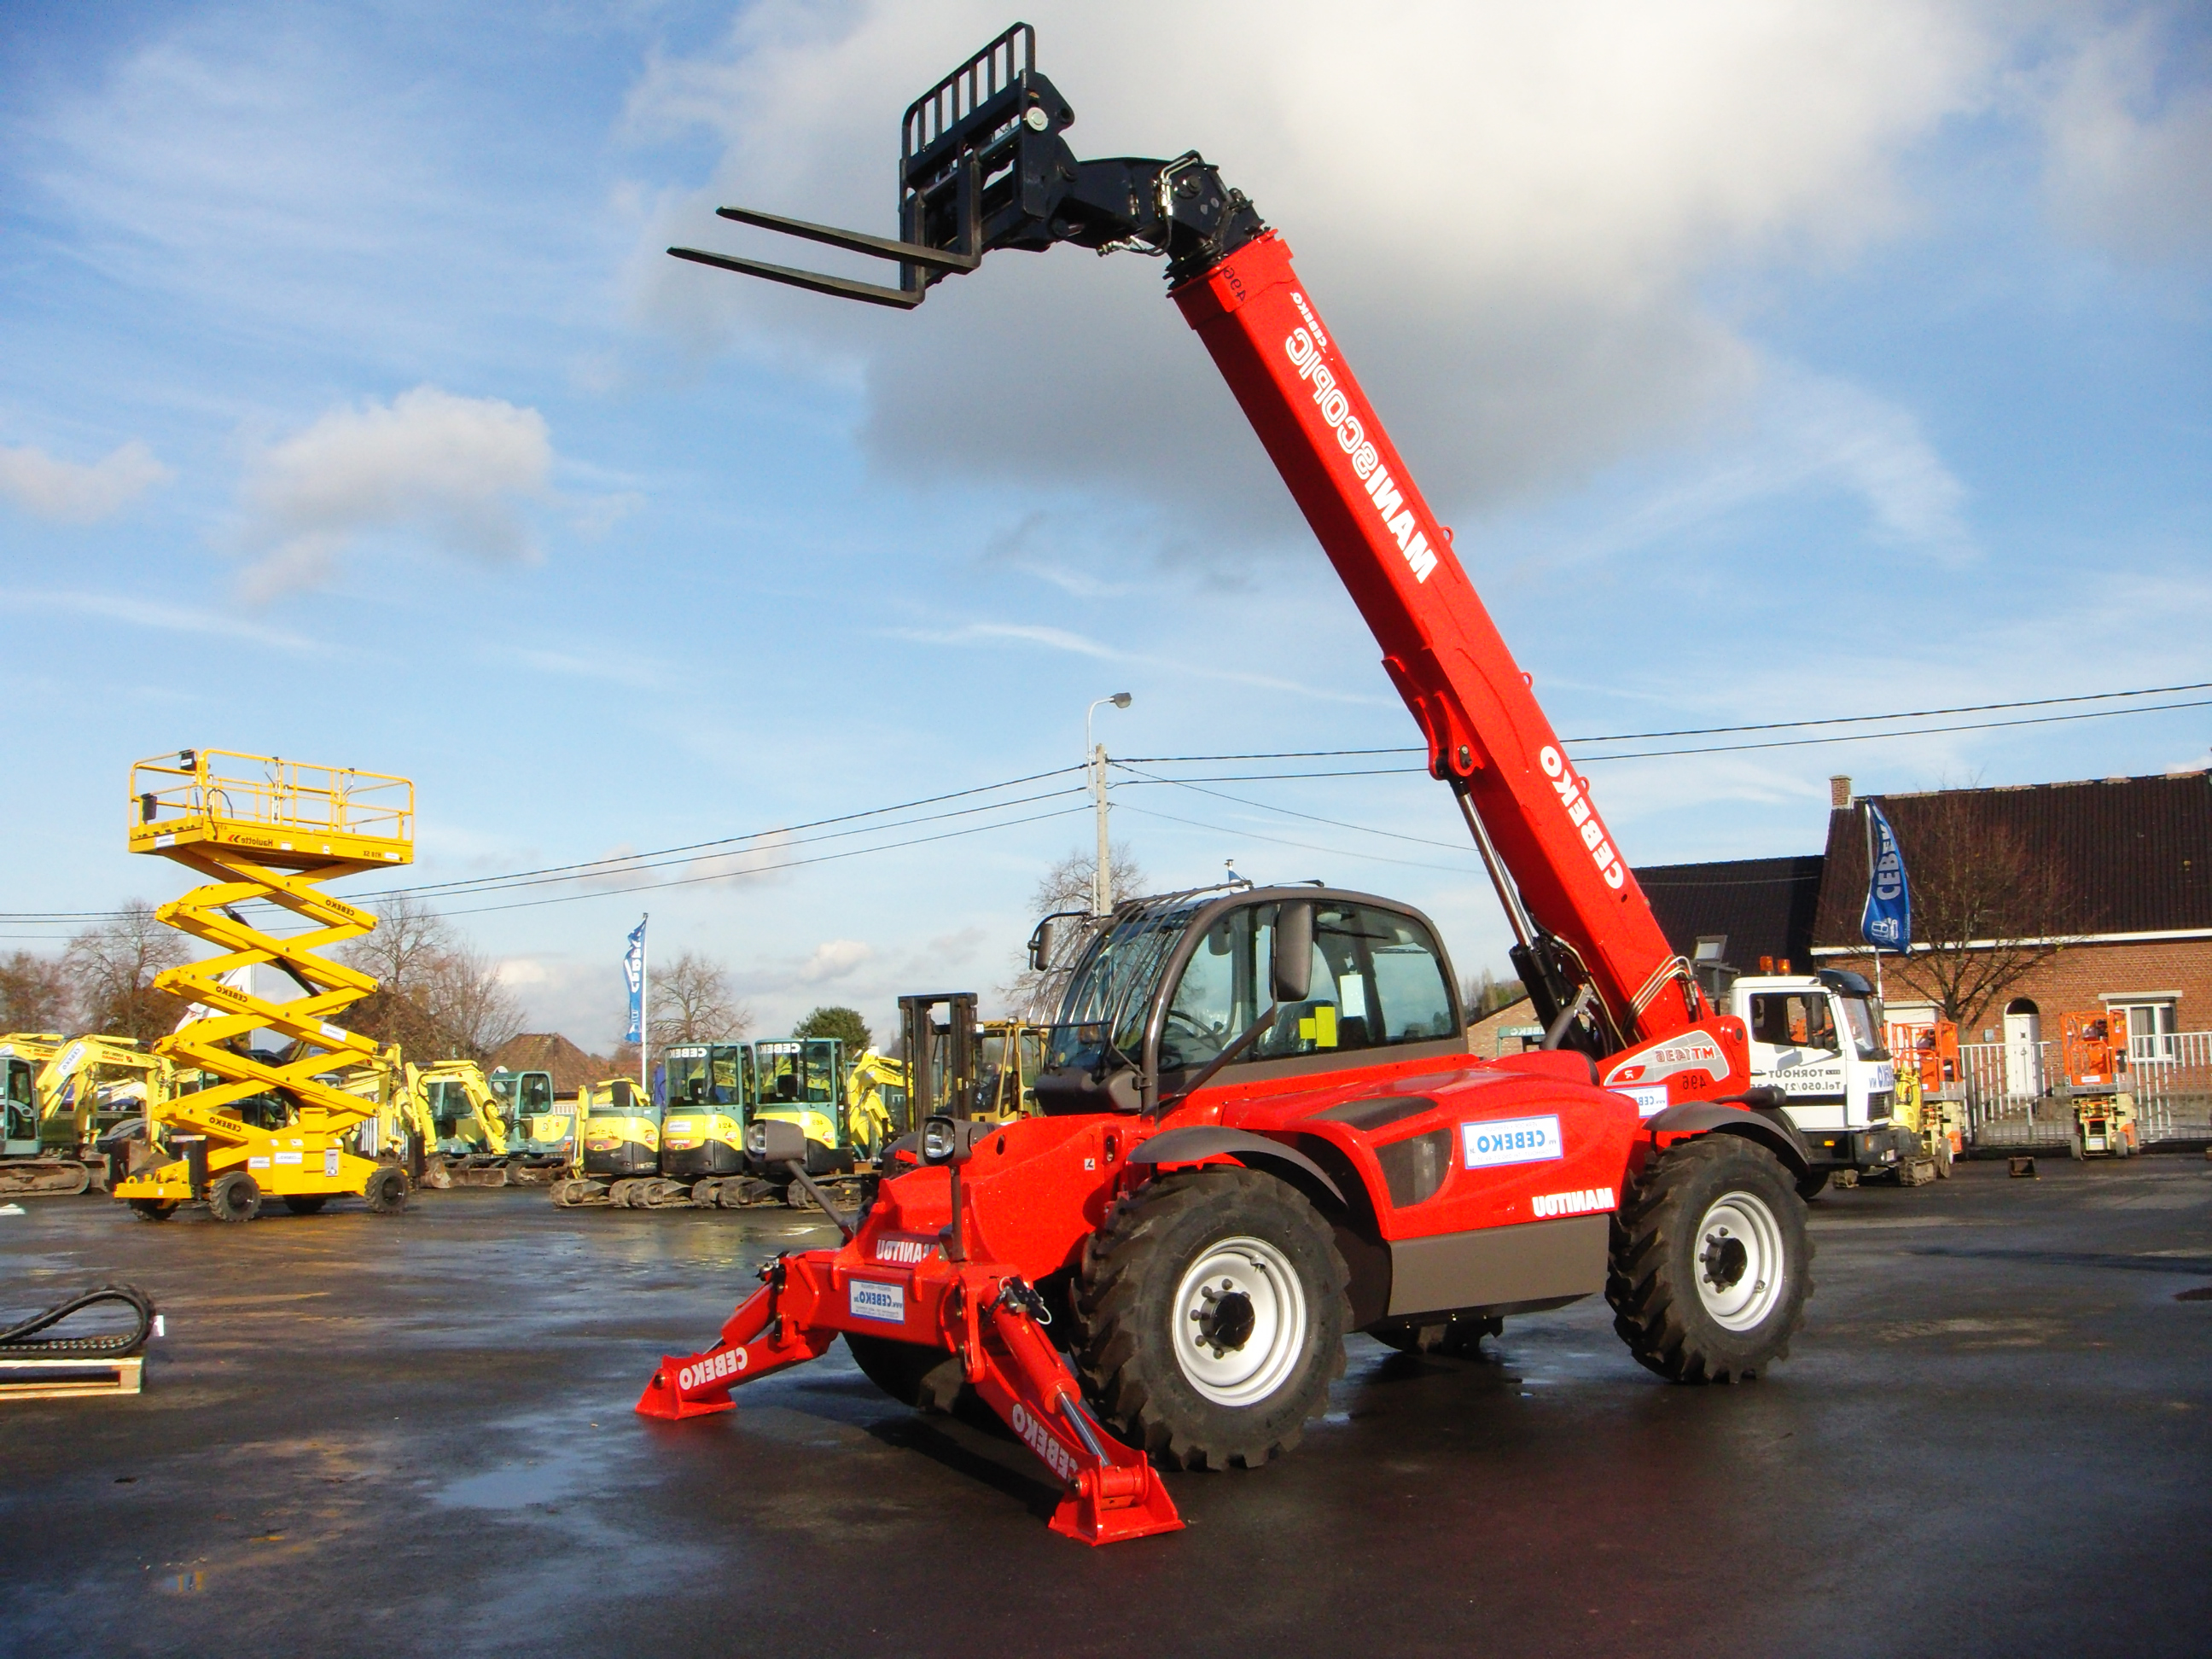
[(2150, 1030)]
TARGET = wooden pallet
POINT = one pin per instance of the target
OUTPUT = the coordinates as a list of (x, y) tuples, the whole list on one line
[(68, 1379)]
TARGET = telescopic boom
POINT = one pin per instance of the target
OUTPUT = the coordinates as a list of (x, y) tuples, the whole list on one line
[(984, 167)]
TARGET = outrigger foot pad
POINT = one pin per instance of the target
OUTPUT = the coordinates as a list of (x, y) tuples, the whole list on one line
[(664, 1395)]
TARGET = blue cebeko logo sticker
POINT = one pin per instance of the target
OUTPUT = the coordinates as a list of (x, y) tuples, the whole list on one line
[(1511, 1140), (870, 1298)]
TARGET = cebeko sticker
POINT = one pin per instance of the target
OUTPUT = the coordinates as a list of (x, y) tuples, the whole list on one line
[(870, 1298), (1650, 1098), (1511, 1140)]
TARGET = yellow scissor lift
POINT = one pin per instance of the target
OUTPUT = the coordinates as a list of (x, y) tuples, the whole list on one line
[(271, 829)]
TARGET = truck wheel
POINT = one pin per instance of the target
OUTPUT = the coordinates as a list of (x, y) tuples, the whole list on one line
[(1711, 1262), (387, 1191), (1813, 1185), (912, 1375), (235, 1198), (1212, 1312)]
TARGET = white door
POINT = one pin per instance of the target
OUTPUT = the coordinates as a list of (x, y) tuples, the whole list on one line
[(2023, 1037)]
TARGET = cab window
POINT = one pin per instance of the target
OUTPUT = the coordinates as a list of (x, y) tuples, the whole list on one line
[(1794, 1019), (1377, 980)]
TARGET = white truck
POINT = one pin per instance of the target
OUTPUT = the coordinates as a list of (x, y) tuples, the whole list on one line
[(1818, 1040)]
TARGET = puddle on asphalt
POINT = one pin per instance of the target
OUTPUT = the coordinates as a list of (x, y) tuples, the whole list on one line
[(516, 1486)]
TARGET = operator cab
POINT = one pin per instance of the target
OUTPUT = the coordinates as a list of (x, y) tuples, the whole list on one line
[(20, 1130), (1237, 986)]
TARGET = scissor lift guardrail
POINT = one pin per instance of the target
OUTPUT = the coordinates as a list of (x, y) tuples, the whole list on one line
[(260, 827)]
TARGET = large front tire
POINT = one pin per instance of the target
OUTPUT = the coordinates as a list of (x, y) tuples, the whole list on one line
[(1213, 1312), (1711, 1262)]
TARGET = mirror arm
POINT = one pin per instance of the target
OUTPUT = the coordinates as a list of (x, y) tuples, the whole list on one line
[(1205, 1074)]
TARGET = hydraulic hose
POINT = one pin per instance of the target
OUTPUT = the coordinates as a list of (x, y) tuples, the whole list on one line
[(23, 1342)]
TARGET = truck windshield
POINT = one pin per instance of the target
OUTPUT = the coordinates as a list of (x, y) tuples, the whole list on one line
[(1863, 1016), (1112, 990)]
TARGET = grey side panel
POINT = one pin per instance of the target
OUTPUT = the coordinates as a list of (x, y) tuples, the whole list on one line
[(1202, 1141), (1491, 1266)]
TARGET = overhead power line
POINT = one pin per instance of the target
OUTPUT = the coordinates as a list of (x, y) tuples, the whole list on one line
[(1725, 731)]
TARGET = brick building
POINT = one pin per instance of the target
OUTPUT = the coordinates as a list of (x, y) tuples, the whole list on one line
[(2136, 859), (549, 1051), (2133, 863)]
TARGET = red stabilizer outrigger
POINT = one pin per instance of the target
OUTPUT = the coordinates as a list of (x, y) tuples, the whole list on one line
[(983, 1312)]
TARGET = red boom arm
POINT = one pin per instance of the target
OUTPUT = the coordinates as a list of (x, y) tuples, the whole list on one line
[(1487, 734)]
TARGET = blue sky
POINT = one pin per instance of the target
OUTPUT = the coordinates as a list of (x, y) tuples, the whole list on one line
[(1771, 362)]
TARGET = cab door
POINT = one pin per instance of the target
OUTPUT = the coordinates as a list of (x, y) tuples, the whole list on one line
[(1795, 1047), (19, 1118)]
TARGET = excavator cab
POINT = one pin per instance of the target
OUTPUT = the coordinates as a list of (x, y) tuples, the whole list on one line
[(711, 1087), (21, 1129), (534, 1128), (802, 1081)]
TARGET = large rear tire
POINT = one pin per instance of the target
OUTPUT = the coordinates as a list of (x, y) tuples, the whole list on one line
[(1711, 1262), (1212, 1312)]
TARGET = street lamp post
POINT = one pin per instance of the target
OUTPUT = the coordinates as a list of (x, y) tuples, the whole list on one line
[(1101, 875)]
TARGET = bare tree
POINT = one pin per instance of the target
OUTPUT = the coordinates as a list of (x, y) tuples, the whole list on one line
[(111, 967), (1986, 912), (35, 994), (1035, 995), (434, 996), (692, 1002)]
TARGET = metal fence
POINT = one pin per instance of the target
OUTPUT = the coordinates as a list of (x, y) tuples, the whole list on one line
[(2015, 1091)]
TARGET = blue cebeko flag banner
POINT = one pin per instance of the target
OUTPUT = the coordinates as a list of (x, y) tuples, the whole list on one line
[(1888, 923), (634, 975)]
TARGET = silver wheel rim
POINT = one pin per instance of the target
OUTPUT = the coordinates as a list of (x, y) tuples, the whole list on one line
[(1739, 1262), (1246, 1372)]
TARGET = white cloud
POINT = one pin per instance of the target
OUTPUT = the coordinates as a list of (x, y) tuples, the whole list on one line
[(169, 618), (837, 958), (1506, 210), (2131, 142), (1807, 433), (74, 493), (451, 470)]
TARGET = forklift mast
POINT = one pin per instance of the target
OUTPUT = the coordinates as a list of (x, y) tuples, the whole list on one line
[(984, 166)]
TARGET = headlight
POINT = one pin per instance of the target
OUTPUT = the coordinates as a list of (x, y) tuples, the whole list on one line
[(950, 1140)]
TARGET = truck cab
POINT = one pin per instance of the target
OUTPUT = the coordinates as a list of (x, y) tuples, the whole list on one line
[(1818, 1039)]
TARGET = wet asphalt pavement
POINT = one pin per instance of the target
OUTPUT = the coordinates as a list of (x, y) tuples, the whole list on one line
[(402, 1436)]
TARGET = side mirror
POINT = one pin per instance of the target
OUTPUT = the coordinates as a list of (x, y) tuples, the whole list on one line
[(1041, 947), (1290, 961)]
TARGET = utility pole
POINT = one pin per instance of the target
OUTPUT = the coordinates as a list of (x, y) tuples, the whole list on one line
[(1101, 874)]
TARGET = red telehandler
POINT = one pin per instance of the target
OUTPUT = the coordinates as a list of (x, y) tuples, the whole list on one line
[(1260, 1128)]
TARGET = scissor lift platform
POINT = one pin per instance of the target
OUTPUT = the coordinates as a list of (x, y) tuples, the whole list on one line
[(262, 829)]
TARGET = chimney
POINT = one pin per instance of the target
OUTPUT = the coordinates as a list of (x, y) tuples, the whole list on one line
[(1840, 791)]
